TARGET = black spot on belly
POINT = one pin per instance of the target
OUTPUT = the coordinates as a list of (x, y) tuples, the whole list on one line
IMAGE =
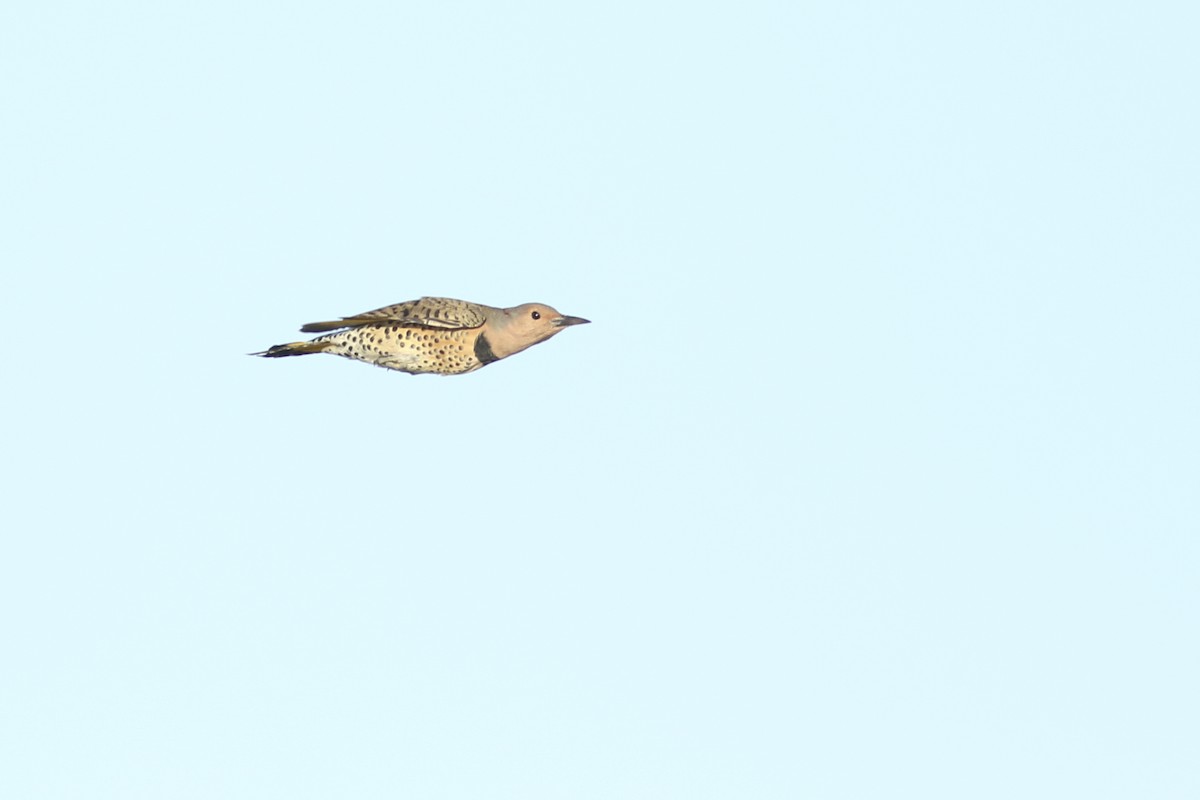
[(483, 350)]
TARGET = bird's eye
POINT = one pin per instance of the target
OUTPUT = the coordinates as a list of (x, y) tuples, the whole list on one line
[(536, 315)]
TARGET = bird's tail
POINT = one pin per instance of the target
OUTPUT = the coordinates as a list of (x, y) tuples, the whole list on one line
[(293, 349)]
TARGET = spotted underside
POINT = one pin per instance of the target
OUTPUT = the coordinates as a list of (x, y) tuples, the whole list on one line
[(412, 349)]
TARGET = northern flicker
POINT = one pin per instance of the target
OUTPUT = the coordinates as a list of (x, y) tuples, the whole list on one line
[(433, 334)]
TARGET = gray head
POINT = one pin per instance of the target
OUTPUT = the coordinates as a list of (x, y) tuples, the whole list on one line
[(511, 330)]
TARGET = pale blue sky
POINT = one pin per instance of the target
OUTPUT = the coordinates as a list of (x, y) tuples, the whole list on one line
[(875, 476)]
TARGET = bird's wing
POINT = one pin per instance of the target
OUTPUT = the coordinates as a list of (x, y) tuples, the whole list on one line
[(428, 312)]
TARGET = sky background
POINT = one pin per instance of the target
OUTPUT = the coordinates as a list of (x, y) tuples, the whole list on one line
[(875, 476)]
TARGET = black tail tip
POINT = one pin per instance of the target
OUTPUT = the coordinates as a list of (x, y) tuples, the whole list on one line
[(275, 351)]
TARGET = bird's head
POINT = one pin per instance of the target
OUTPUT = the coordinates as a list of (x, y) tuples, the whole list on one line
[(523, 326)]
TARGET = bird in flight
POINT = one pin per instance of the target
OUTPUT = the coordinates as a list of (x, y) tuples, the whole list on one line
[(432, 335)]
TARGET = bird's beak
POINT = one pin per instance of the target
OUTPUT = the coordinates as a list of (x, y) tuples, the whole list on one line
[(562, 322)]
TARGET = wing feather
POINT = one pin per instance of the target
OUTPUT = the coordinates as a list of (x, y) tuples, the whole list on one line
[(429, 312)]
